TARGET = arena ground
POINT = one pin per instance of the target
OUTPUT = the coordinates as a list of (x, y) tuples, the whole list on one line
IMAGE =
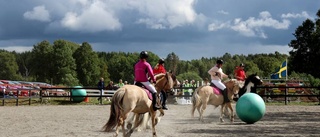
[(87, 121)]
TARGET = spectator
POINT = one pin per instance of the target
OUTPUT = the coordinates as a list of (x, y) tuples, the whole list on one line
[(110, 86), (101, 87), (120, 84)]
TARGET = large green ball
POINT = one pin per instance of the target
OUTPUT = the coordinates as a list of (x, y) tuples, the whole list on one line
[(78, 92), (250, 108)]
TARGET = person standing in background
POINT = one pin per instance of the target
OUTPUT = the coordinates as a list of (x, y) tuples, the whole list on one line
[(101, 87)]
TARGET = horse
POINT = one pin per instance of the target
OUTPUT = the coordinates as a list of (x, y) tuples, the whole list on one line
[(160, 86), (132, 98), (250, 84), (205, 95)]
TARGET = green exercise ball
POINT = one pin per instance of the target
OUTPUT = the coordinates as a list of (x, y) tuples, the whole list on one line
[(250, 108), (78, 92)]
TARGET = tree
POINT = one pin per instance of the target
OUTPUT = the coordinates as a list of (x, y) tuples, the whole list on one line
[(9, 66), (87, 63), (172, 61), (42, 62), (306, 50), (64, 64)]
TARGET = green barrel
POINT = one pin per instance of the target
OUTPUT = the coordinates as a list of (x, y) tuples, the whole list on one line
[(78, 92)]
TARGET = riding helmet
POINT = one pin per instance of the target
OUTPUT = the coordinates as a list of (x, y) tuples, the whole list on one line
[(220, 61), (161, 61), (143, 55), (241, 65)]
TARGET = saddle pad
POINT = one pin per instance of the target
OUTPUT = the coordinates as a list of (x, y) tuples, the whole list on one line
[(216, 90)]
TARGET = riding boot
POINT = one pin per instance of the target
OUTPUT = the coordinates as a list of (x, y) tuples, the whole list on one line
[(164, 100), (154, 102), (225, 96)]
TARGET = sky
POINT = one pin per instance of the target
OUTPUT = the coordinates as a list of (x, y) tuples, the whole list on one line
[(189, 28)]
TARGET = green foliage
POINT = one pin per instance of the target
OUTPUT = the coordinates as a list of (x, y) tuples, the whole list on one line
[(9, 66), (87, 65), (306, 50), (189, 76)]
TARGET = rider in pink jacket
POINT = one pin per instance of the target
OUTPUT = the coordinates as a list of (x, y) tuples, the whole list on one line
[(141, 71)]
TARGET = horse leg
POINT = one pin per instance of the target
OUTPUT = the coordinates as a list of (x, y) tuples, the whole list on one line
[(232, 112), (117, 128), (221, 112), (203, 108), (130, 120), (199, 108), (153, 121), (160, 116)]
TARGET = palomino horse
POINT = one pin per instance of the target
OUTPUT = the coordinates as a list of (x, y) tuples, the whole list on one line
[(131, 98), (205, 95), (160, 86), (249, 85)]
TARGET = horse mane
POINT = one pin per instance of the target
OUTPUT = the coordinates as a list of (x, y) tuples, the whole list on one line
[(237, 82)]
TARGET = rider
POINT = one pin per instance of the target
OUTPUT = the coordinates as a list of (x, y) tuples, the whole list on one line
[(240, 74), (159, 68), (216, 76), (141, 69)]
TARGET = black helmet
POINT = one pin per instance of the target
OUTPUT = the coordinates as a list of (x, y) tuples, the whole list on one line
[(219, 61), (143, 55), (241, 65), (161, 61)]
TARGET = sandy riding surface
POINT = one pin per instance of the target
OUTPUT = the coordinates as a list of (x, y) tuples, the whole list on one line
[(87, 121)]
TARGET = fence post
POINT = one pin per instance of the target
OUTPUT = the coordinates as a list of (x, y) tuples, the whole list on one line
[(17, 98), (40, 96), (286, 96), (29, 97), (3, 91)]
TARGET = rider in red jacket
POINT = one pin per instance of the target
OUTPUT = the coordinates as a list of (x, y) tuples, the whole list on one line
[(159, 68), (240, 74)]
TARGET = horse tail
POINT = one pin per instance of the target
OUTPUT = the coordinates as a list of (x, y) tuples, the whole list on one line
[(196, 100), (115, 110)]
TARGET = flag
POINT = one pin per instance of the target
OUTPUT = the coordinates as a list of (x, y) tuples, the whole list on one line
[(280, 71)]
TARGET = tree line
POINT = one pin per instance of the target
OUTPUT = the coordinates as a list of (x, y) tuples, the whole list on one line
[(68, 63)]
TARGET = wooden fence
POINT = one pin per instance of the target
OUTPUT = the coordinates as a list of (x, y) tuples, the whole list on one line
[(94, 92)]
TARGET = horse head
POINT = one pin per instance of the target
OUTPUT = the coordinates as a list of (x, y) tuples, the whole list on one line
[(233, 86), (252, 81), (164, 81)]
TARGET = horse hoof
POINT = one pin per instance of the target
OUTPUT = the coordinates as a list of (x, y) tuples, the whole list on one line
[(129, 126)]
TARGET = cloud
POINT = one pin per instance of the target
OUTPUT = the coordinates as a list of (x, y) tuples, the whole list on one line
[(303, 14), (94, 17), (223, 12), (165, 14), (38, 13), (252, 27)]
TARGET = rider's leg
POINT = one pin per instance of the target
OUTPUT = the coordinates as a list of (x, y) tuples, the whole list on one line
[(153, 90), (164, 100), (222, 87)]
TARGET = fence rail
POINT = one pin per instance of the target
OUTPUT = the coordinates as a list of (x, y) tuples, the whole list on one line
[(94, 92)]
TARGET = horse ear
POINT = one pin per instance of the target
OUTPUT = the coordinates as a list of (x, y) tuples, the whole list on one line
[(170, 71)]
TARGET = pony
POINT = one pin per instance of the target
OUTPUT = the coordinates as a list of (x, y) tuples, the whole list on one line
[(162, 88), (132, 98), (250, 85), (205, 95)]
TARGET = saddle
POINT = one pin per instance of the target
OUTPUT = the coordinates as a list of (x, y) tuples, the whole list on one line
[(139, 84), (216, 90)]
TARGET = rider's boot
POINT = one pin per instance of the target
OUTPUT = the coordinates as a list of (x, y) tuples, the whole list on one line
[(154, 102), (225, 96), (164, 100)]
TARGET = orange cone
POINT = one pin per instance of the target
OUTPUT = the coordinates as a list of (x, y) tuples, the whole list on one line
[(86, 99)]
